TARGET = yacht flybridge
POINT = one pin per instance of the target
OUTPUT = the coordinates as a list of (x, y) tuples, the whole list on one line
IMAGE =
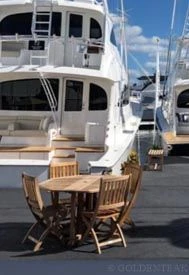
[(63, 87)]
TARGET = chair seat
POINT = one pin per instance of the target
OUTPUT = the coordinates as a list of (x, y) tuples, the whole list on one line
[(59, 210), (64, 201), (101, 213)]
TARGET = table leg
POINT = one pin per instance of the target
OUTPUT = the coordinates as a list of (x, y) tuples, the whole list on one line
[(91, 201), (55, 198), (72, 235), (85, 201), (81, 205)]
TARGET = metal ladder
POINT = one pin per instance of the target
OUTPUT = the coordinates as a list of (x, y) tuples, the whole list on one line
[(50, 96), (41, 28)]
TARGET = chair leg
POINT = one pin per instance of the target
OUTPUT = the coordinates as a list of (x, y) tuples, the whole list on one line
[(29, 231), (88, 230), (96, 241), (37, 246), (41, 239), (117, 227), (37, 241), (121, 234), (86, 233)]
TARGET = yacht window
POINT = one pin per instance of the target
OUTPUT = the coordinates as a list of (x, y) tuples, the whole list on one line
[(56, 23), (112, 37), (183, 99), (97, 98), (95, 29), (74, 95), (75, 26), (21, 23), (55, 26), (16, 23), (25, 95)]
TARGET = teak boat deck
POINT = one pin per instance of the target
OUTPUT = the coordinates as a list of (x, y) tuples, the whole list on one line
[(171, 139)]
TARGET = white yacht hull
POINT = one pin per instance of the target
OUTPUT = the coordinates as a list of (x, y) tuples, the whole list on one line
[(63, 89)]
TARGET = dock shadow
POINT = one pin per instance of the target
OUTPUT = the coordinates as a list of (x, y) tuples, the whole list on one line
[(176, 159), (176, 232), (12, 234)]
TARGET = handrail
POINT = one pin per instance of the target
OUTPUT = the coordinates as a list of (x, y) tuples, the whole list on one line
[(50, 95)]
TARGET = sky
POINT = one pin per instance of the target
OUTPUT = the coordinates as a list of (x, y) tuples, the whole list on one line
[(148, 20)]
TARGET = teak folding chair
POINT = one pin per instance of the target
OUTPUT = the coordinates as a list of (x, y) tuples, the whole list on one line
[(136, 171), (103, 221), (63, 169), (48, 218)]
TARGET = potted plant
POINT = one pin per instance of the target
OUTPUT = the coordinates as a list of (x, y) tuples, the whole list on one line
[(133, 158)]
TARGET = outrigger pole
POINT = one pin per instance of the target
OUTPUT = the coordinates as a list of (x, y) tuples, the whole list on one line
[(157, 90)]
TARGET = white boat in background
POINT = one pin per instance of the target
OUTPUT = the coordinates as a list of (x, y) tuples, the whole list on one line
[(147, 88), (173, 112), (63, 88)]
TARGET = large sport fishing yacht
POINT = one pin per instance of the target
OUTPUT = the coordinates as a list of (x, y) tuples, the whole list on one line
[(173, 112), (64, 92)]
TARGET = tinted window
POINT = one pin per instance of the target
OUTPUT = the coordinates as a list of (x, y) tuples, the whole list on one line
[(16, 23), (95, 29), (56, 23), (97, 98), (21, 24), (112, 38), (74, 95), (183, 99), (55, 26), (75, 25), (25, 95)]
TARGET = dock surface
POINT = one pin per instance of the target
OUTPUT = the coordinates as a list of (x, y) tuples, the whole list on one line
[(161, 216)]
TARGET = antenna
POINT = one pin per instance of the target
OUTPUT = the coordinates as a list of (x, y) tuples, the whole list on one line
[(123, 33)]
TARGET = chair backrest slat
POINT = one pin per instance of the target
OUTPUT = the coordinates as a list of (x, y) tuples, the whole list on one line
[(113, 192), (136, 171), (32, 194), (64, 169)]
